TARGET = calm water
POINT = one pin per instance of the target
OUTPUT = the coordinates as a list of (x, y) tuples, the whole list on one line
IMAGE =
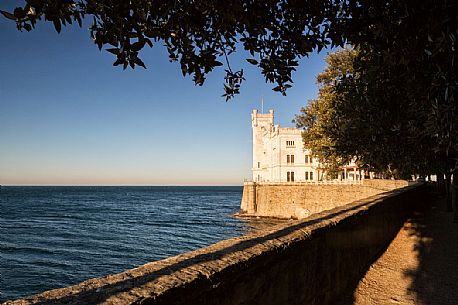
[(53, 237)]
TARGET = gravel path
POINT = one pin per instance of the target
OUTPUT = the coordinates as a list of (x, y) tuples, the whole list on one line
[(419, 267)]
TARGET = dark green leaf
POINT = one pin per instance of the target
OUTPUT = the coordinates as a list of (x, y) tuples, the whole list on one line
[(148, 41), (8, 15), (19, 13), (27, 27), (137, 46), (139, 62), (57, 25), (252, 61), (113, 51)]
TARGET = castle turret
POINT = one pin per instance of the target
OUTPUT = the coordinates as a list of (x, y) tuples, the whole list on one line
[(262, 125)]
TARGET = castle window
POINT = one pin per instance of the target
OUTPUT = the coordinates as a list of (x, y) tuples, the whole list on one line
[(290, 159), (289, 143), (306, 175), (259, 164), (308, 159), (311, 175), (290, 176)]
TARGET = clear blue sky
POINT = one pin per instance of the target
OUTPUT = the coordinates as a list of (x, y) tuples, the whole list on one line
[(68, 117)]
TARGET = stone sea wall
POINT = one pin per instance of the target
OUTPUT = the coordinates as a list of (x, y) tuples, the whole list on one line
[(299, 200), (308, 261)]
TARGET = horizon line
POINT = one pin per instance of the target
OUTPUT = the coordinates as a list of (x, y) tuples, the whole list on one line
[(119, 185)]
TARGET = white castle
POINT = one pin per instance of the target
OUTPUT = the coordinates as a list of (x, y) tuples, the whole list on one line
[(279, 154)]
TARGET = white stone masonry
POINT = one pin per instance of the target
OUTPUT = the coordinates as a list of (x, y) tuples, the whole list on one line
[(279, 154)]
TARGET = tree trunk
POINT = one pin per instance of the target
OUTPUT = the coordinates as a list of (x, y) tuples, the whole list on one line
[(448, 189), (440, 183), (455, 196)]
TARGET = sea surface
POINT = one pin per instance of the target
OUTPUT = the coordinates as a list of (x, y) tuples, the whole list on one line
[(52, 237)]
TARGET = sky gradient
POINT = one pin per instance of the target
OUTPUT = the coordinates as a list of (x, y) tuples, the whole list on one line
[(68, 117)]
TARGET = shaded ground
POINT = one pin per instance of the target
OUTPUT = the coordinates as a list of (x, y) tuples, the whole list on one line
[(419, 267)]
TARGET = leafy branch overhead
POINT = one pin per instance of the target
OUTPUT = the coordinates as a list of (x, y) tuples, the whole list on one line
[(199, 35)]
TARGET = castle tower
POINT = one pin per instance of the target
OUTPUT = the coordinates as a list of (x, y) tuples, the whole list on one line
[(263, 126)]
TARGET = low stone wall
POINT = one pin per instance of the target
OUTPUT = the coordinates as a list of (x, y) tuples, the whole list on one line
[(299, 200), (309, 261)]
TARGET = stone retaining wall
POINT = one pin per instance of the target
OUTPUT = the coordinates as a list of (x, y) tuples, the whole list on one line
[(309, 261), (300, 200)]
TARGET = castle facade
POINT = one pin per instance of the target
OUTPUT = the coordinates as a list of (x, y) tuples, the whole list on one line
[(279, 154)]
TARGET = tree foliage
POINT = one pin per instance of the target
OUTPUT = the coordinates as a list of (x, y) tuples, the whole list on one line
[(363, 112), (200, 35), (397, 111), (318, 118)]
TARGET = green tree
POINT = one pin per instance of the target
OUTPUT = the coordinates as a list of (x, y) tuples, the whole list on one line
[(415, 68), (318, 118), (344, 123)]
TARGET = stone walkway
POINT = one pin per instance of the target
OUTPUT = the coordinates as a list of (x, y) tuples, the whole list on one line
[(419, 267)]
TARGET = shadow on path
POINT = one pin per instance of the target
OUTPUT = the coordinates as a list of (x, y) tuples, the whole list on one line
[(419, 267), (435, 280)]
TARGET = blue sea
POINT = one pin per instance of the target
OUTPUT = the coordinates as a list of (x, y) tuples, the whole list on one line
[(52, 237)]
